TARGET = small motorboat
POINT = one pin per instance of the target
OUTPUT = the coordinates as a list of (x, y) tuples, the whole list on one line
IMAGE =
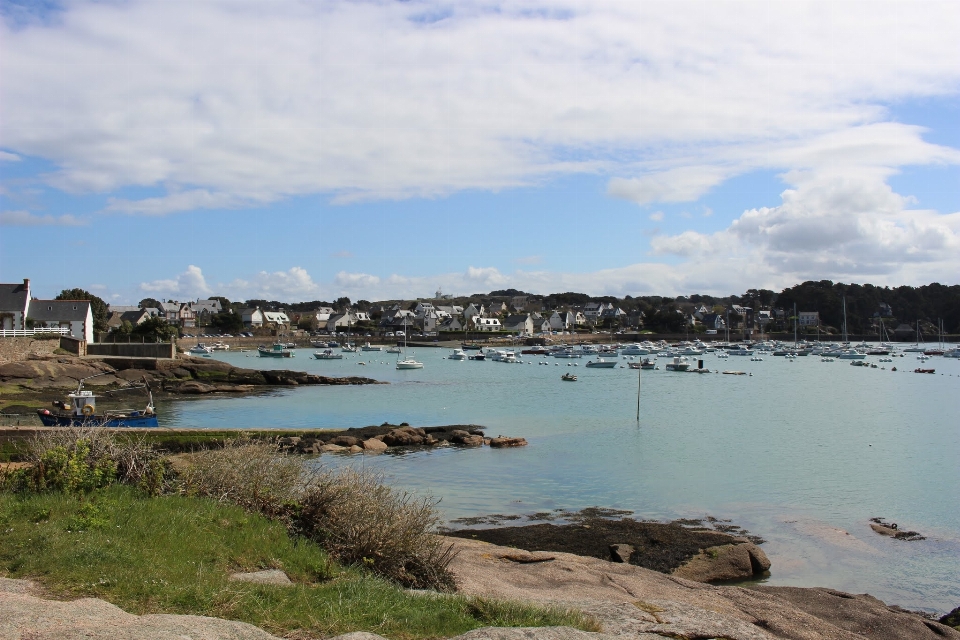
[(327, 354), (647, 363), (568, 377), (600, 363), (458, 354)]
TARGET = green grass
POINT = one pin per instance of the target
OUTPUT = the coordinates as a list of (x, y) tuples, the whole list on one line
[(173, 554)]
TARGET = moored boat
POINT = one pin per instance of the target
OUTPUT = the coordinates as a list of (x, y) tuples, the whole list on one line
[(458, 354), (600, 363), (568, 377), (327, 354), (80, 410), (276, 351)]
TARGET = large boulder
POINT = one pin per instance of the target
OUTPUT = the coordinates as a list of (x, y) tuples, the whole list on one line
[(345, 441), (374, 445), (725, 562), (404, 437), (501, 441)]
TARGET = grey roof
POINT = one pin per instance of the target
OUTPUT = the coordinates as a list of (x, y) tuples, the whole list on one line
[(121, 308), (59, 310), (13, 297)]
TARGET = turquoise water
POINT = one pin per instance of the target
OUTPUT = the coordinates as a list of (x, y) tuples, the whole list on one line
[(801, 452)]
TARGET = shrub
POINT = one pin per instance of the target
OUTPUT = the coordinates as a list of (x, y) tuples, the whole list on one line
[(361, 520), (81, 459), (251, 474)]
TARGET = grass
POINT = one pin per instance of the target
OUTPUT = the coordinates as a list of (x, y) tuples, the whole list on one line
[(173, 554)]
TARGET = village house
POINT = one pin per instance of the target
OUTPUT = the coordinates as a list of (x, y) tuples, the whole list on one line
[(486, 324), (252, 318), (520, 323), (472, 311), (450, 324), (204, 310), (808, 319), (135, 318), (170, 311), (14, 300), (713, 321), (75, 315), (339, 321), (277, 318)]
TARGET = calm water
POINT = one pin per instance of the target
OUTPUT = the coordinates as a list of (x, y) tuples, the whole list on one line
[(802, 452)]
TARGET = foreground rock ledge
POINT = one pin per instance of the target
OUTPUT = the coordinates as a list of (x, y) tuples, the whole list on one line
[(629, 602)]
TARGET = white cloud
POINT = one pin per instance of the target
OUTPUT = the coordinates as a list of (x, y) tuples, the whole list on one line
[(295, 284), (355, 280), (189, 284), (9, 157), (656, 216), (849, 224), (233, 104), (27, 219)]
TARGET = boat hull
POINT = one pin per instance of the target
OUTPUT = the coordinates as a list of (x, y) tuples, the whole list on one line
[(50, 419)]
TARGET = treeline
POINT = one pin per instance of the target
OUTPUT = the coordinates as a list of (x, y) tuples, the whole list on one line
[(927, 304)]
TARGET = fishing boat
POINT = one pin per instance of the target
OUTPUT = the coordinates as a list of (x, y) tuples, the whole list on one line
[(374, 347), (477, 356), (470, 346), (647, 363), (80, 410), (568, 377), (327, 354), (458, 354), (276, 351), (600, 363)]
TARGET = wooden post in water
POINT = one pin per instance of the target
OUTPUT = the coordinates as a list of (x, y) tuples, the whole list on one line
[(639, 371)]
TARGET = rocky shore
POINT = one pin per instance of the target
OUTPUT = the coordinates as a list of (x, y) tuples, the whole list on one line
[(40, 378)]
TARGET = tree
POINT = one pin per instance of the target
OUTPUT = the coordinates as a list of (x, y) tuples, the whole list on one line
[(154, 330), (97, 306), (225, 304), (342, 303), (227, 322), (148, 303)]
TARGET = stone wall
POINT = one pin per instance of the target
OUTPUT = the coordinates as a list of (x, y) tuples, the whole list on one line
[(133, 349), (17, 349)]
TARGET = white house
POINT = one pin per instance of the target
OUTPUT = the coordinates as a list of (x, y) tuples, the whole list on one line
[(472, 311), (252, 318), (75, 315), (486, 324), (170, 311), (278, 318), (808, 318), (14, 300), (341, 321)]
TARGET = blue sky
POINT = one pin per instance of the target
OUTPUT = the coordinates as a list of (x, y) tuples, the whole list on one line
[(301, 151)]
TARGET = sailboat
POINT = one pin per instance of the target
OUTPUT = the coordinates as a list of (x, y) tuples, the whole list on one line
[(916, 348), (408, 362)]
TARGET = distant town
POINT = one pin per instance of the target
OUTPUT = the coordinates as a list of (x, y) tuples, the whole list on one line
[(808, 308)]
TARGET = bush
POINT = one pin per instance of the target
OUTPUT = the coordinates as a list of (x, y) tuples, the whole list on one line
[(354, 515), (251, 474), (81, 459), (360, 520)]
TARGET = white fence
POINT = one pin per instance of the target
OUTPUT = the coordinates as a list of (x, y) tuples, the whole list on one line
[(26, 333)]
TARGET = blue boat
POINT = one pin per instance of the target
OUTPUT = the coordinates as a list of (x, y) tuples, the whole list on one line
[(80, 410)]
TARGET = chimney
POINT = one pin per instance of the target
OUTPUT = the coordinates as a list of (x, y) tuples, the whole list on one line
[(26, 284)]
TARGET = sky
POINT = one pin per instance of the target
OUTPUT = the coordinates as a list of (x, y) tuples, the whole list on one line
[(377, 150)]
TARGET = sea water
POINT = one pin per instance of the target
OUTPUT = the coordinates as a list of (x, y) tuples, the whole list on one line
[(799, 451)]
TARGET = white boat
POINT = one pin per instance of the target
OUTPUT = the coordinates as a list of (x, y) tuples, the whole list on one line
[(371, 347), (508, 356), (566, 353), (679, 363), (952, 353), (458, 354), (348, 348), (851, 354), (394, 350), (634, 350), (220, 346), (740, 352), (327, 354), (408, 362), (600, 363), (200, 349)]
